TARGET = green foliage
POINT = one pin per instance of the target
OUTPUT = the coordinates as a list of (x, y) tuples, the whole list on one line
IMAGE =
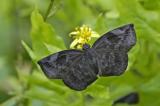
[(44, 38), (46, 43), (28, 86)]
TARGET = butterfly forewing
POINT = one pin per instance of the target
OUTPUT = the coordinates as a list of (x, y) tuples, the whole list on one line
[(112, 48), (55, 65), (123, 36), (75, 68)]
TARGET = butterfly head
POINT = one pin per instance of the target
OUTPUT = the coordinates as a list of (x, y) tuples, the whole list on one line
[(86, 46)]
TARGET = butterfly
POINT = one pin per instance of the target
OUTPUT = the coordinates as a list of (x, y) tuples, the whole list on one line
[(131, 98), (80, 68)]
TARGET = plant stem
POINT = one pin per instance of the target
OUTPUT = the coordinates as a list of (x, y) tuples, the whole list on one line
[(83, 98), (49, 10)]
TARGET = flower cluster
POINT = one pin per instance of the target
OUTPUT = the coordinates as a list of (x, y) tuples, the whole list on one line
[(82, 35)]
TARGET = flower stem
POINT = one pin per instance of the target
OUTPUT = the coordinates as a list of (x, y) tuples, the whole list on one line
[(49, 10), (83, 98)]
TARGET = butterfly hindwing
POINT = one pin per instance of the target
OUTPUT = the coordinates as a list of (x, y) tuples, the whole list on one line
[(112, 63), (112, 50), (82, 72)]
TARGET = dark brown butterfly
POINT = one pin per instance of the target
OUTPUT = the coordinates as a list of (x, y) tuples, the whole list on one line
[(131, 98), (79, 68)]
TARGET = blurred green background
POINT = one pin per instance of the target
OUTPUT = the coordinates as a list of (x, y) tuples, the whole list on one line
[(28, 32)]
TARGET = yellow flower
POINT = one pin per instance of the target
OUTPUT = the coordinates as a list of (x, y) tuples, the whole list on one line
[(82, 35)]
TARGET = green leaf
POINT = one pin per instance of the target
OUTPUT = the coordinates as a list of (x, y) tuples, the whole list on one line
[(52, 48), (40, 80), (100, 24), (29, 50), (153, 85), (10, 102), (4, 96), (98, 91), (43, 34)]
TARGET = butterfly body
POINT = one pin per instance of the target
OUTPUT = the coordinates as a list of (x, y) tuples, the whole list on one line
[(79, 68)]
